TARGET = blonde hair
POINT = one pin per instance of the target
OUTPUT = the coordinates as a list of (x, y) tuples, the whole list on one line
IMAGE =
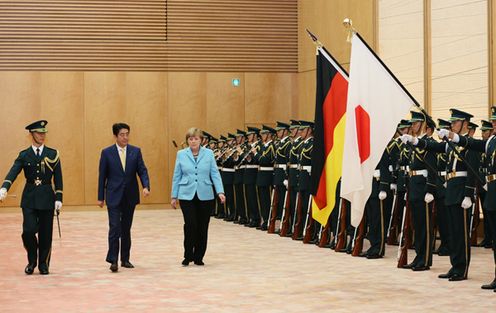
[(193, 132)]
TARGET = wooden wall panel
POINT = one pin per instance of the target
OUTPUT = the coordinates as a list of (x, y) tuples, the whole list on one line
[(62, 105), (269, 97), (105, 104)]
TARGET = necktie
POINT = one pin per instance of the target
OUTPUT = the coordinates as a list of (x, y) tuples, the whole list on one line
[(38, 152), (122, 155)]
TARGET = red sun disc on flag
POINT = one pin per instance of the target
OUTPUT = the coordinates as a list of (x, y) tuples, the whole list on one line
[(362, 119)]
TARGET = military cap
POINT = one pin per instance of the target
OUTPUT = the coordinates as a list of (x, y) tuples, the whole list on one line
[(294, 124), (430, 123), (404, 124), (281, 126), (253, 130), (37, 127), (222, 138), (240, 132), (493, 113), (212, 139), (305, 124), (457, 115), (207, 135), (231, 136), (472, 125), (486, 125), (443, 124), (417, 116), (267, 129)]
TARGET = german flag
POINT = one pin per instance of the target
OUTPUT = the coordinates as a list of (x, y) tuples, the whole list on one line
[(327, 154)]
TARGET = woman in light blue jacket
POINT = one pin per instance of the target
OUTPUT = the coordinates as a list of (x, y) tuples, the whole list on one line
[(195, 177)]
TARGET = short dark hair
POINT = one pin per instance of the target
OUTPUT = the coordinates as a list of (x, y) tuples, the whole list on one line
[(116, 128)]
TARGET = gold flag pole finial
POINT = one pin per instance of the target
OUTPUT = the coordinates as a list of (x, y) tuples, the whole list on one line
[(348, 24)]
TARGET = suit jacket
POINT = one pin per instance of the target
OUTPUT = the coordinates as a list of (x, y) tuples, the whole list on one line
[(113, 181), (43, 169), (196, 176)]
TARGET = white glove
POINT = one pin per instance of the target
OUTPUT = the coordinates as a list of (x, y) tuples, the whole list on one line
[(456, 138), (443, 133), (58, 206), (466, 203), (406, 138), (3, 194), (485, 187), (382, 195), (445, 185), (393, 187), (428, 197), (285, 183)]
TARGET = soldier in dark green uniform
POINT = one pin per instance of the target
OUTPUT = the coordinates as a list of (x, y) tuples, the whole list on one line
[(250, 177), (280, 166), (239, 170), (421, 189), (461, 183), (486, 132), (40, 197), (439, 197), (228, 177), (265, 159)]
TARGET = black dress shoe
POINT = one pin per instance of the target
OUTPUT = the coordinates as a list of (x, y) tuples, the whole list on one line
[(457, 277), (409, 266), (490, 286), (29, 268), (200, 263), (114, 267), (445, 276), (185, 262), (420, 268), (127, 264), (443, 252), (363, 254), (373, 256), (264, 228), (43, 269)]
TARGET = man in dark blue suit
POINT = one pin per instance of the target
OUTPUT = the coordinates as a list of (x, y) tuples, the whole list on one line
[(118, 186)]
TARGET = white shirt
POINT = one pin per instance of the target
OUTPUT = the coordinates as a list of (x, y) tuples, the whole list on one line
[(40, 148), (120, 149)]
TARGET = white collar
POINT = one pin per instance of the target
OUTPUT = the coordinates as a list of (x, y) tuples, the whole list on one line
[(119, 148), (267, 143), (306, 140), (40, 147)]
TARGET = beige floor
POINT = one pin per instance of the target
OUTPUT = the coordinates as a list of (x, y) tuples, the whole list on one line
[(246, 271)]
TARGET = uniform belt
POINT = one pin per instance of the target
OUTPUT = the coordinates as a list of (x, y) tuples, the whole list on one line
[(442, 173), (265, 168), (38, 182), (307, 168), (220, 168), (405, 168), (227, 169), (377, 174), (418, 173), (491, 178), (293, 165), (251, 166), (283, 166), (456, 174), (241, 167)]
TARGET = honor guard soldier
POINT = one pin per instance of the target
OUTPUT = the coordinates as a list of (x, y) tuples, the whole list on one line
[(265, 159), (280, 166), (488, 146), (206, 139), (250, 177), (439, 197), (228, 177), (239, 171), (219, 148), (304, 171), (461, 183), (41, 196), (486, 132), (421, 189), (292, 177)]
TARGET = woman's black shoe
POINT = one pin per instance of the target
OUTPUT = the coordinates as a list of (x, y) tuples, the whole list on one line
[(185, 262), (199, 263)]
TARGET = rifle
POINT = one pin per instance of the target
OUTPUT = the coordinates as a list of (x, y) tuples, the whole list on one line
[(297, 217), (474, 219), (405, 243), (309, 223), (358, 237), (58, 222), (271, 227), (286, 211), (434, 225), (392, 236), (341, 228), (324, 234)]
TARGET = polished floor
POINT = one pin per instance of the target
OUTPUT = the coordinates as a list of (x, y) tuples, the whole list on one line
[(246, 271)]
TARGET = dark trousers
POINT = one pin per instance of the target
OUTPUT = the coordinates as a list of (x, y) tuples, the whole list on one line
[(240, 202), (41, 222), (251, 198), (491, 220), (230, 201), (281, 191), (196, 218), (442, 224), (459, 242), (299, 222), (421, 219), (264, 201), (120, 222), (376, 223), (293, 199)]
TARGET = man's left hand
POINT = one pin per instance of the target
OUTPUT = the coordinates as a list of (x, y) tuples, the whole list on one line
[(58, 206), (146, 192)]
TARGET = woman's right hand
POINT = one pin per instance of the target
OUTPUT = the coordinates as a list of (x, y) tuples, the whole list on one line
[(174, 203)]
